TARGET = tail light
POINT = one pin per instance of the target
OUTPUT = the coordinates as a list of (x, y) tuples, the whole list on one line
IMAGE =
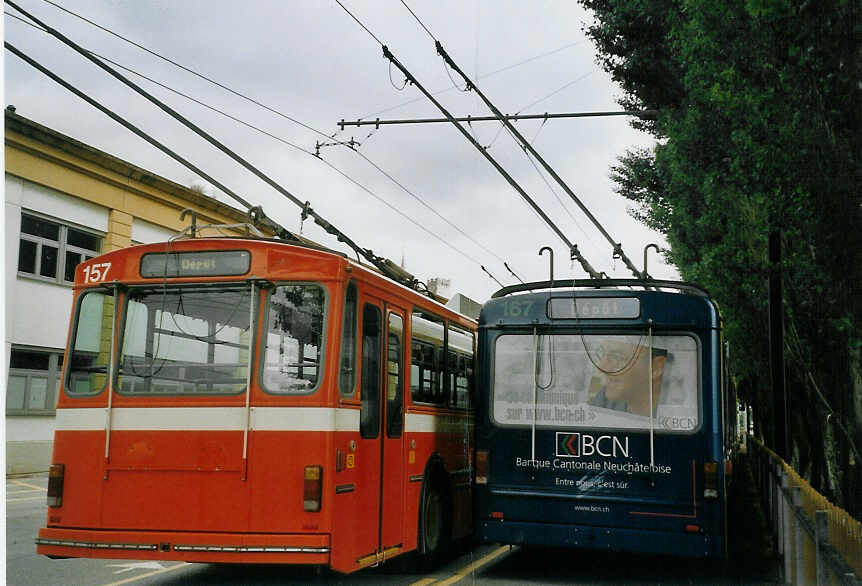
[(481, 466), (710, 480), (55, 485), (312, 488)]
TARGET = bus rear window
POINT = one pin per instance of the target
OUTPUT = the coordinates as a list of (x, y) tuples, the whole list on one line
[(185, 341), (91, 344), (596, 381)]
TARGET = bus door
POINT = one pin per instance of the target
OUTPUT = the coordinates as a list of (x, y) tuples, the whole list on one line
[(381, 427), (393, 427)]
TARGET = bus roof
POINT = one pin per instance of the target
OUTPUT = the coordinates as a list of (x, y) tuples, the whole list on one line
[(606, 284), (122, 271)]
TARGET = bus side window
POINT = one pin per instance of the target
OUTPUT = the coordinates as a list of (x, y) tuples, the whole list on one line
[(439, 389), (347, 368), (433, 376), (369, 413), (461, 344), (469, 380), (453, 376), (426, 361), (415, 370), (421, 371), (394, 377), (463, 383)]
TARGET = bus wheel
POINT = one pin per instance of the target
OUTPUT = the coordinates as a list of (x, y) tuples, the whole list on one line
[(433, 525)]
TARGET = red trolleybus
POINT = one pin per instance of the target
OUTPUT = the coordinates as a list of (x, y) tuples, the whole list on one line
[(253, 401)]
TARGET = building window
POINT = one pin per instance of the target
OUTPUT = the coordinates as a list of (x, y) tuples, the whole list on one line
[(34, 377), (51, 251)]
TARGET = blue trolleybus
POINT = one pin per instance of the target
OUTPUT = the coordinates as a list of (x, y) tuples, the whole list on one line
[(600, 411)]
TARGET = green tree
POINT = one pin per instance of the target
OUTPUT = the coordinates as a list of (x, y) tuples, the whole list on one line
[(759, 126)]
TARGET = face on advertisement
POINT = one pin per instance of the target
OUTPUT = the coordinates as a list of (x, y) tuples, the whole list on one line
[(627, 372)]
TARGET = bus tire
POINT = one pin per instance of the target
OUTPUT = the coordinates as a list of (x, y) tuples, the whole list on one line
[(434, 531)]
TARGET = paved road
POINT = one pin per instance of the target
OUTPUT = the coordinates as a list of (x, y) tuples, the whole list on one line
[(485, 565), (26, 510)]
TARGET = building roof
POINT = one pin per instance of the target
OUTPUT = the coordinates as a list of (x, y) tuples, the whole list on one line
[(18, 124)]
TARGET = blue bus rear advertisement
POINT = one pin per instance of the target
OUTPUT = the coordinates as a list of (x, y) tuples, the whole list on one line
[(600, 421)]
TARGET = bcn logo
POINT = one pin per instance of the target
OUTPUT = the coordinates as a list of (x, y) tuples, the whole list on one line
[(577, 445)]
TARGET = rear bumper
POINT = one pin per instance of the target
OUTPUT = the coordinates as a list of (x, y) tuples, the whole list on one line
[(282, 548), (603, 538)]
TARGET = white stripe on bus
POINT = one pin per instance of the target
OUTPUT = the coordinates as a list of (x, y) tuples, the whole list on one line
[(428, 423), (233, 419)]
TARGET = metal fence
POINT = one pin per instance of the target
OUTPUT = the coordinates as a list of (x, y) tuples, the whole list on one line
[(818, 542)]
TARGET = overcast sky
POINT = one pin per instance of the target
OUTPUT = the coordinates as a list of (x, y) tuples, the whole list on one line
[(309, 60)]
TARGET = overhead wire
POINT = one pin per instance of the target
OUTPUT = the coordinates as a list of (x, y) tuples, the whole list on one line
[(392, 81), (455, 85), (358, 22), (556, 196), (496, 136), (290, 118), (11, 48), (556, 91), (228, 191), (616, 246), (384, 265), (541, 127), (548, 222), (188, 69), (422, 201), (466, 87), (469, 85), (506, 126), (478, 77), (282, 140), (492, 276), (513, 273), (264, 106), (503, 125), (422, 24), (533, 162), (175, 91), (531, 59), (399, 212)]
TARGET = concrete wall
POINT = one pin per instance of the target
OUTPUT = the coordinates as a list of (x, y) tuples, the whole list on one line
[(31, 445)]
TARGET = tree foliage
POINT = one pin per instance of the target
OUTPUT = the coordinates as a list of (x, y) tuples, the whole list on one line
[(759, 127)]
